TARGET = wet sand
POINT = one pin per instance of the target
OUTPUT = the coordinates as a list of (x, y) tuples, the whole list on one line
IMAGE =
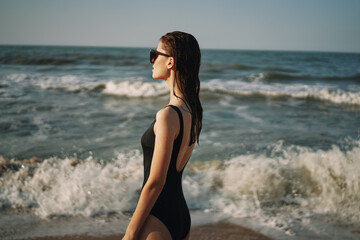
[(216, 231)]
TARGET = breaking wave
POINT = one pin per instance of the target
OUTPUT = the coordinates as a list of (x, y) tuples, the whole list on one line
[(300, 91), (294, 180), (138, 87), (269, 76)]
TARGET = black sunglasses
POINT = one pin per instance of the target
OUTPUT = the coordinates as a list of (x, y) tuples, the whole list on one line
[(154, 54)]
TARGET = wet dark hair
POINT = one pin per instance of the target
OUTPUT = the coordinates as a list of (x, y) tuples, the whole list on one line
[(184, 48)]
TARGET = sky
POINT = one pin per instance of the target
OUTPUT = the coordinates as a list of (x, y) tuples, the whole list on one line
[(300, 25)]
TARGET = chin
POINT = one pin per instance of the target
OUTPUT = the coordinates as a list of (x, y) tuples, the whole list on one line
[(157, 77)]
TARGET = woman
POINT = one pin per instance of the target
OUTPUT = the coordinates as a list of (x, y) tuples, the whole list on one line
[(167, 144)]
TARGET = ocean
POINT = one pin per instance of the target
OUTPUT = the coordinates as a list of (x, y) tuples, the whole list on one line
[(279, 150)]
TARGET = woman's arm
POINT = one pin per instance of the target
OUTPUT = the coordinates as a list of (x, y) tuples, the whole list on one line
[(165, 132)]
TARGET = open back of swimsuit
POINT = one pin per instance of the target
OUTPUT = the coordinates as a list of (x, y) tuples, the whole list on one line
[(170, 207)]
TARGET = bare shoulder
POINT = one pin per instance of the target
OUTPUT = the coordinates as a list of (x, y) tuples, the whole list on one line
[(166, 115), (166, 120)]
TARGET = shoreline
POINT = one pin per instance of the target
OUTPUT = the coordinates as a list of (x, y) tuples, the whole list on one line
[(219, 231)]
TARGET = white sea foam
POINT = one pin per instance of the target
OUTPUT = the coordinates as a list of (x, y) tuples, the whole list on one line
[(293, 182), (69, 83), (67, 187), (136, 89), (323, 92), (278, 188), (16, 77), (295, 177), (129, 87), (65, 82)]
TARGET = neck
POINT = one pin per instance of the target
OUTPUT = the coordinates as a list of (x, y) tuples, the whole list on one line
[(173, 89)]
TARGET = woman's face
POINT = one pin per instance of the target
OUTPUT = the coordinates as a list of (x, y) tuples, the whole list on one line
[(161, 65)]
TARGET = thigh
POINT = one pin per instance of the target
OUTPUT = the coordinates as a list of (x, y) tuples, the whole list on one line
[(154, 229)]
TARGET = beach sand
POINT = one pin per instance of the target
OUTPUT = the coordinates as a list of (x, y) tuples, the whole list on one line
[(216, 231)]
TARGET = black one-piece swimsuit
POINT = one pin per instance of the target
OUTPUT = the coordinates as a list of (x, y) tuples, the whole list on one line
[(170, 207)]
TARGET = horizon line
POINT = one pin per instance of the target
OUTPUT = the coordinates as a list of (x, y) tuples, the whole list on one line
[(211, 48)]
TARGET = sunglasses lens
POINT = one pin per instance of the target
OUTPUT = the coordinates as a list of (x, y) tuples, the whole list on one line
[(153, 56)]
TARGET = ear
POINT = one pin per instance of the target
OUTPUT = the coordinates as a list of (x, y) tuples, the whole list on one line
[(171, 63)]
